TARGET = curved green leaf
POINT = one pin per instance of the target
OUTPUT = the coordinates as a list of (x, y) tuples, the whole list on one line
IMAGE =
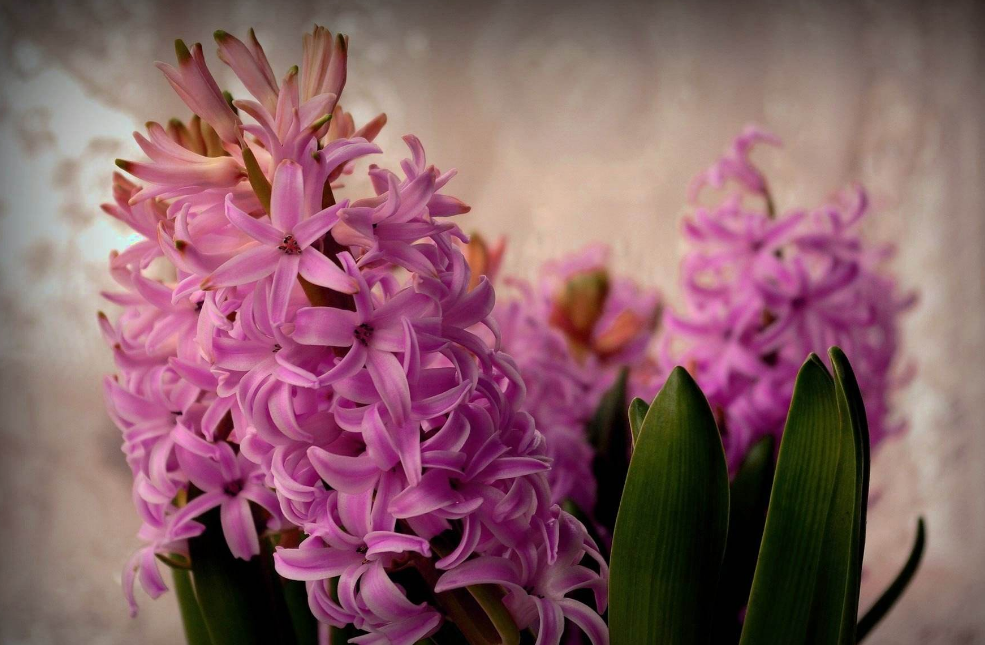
[(748, 501), (805, 589), (672, 523), (855, 435), (241, 603), (196, 632), (637, 412), (609, 433), (893, 592), (304, 623), (258, 181)]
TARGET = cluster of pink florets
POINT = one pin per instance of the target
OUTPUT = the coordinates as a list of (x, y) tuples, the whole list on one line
[(571, 333), (762, 290), (325, 367)]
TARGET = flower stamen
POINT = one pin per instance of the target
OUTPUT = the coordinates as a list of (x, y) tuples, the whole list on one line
[(290, 246)]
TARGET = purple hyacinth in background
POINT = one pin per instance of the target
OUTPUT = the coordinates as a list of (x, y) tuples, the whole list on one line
[(763, 289), (571, 332)]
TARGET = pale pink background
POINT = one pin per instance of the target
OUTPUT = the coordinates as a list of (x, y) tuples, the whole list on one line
[(569, 124)]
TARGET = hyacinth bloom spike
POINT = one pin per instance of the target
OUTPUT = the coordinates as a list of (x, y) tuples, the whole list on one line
[(763, 289), (321, 374)]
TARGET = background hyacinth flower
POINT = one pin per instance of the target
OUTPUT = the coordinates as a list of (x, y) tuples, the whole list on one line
[(287, 387), (762, 289), (571, 334)]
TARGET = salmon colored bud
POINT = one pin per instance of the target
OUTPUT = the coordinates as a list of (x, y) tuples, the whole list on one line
[(580, 305), (621, 332), (483, 259)]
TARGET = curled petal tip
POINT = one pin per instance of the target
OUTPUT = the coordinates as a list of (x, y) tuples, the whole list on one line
[(181, 51), (321, 121)]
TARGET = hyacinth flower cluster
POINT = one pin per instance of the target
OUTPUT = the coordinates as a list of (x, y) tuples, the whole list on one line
[(326, 373), (763, 289), (571, 333)]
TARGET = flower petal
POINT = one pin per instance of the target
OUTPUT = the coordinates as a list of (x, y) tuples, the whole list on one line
[(391, 382), (251, 265), (284, 282), (317, 268), (551, 622), (384, 598), (587, 620), (343, 473), (325, 326), (313, 564), (287, 196), (311, 229), (238, 527), (258, 229), (482, 570)]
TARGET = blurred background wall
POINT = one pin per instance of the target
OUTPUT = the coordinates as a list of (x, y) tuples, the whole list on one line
[(569, 123)]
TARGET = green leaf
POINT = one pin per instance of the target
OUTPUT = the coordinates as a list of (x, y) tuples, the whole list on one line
[(304, 623), (258, 181), (893, 592), (855, 435), (749, 499), (672, 524), (241, 602), (196, 632), (806, 582), (609, 433), (637, 412)]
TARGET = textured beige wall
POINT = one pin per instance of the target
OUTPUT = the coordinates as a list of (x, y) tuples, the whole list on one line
[(568, 124)]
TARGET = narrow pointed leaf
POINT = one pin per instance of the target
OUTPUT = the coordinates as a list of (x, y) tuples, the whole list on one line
[(258, 181), (239, 601), (806, 580), (304, 623), (637, 412), (748, 501), (854, 425), (610, 435), (671, 529), (893, 592), (196, 632)]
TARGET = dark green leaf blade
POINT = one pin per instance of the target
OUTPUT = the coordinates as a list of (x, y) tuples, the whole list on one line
[(672, 523), (893, 592), (238, 601), (637, 412), (609, 433), (304, 623), (258, 181), (749, 499), (196, 632), (854, 473), (782, 598)]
